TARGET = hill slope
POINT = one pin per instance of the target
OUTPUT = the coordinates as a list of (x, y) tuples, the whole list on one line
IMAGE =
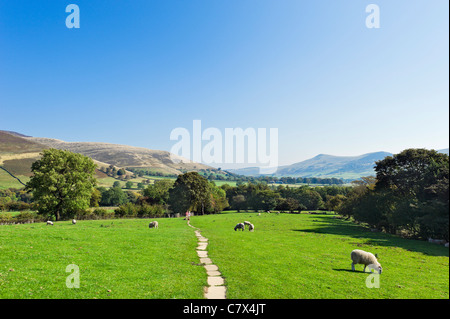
[(18, 152), (324, 165), (125, 156), (13, 143)]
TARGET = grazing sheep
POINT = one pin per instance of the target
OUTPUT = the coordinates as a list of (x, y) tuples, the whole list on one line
[(74, 221), (49, 223), (363, 257), (240, 226), (259, 214), (436, 241), (251, 227), (153, 225)]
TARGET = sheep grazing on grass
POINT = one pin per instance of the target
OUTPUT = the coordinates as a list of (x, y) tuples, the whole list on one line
[(436, 241), (153, 225), (367, 259), (49, 223), (74, 221), (259, 214), (251, 227), (240, 226)]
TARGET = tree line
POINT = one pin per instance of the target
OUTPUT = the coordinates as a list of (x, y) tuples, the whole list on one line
[(219, 175), (409, 194)]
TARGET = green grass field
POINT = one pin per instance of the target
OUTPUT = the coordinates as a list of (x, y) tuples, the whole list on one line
[(116, 259), (308, 256), (288, 256), (6, 181)]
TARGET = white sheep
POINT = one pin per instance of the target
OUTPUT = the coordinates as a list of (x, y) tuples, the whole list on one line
[(49, 223), (363, 257), (259, 214), (153, 225), (74, 221), (251, 227), (436, 241), (240, 226)]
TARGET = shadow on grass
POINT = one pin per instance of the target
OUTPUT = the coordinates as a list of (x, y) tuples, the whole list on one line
[(351, 271), (328, 225)]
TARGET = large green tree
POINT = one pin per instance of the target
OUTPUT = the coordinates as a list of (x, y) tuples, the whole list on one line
[(62, 183), (190, 191), (158, 192), (413, 172), (218, 198), (410, 194), (416, 187)]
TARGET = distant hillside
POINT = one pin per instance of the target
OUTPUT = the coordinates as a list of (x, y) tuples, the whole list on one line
[(14, 143), (18, 152), (14, 133), (126, 156), (322, 165)]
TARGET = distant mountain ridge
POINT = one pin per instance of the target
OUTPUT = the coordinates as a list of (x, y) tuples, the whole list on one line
[(326, 166), (18, 151)]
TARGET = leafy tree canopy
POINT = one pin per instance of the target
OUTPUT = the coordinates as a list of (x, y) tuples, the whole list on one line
[(62, 183)]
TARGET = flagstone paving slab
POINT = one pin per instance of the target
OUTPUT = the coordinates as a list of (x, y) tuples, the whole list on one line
[(216, 292), (216, 288)]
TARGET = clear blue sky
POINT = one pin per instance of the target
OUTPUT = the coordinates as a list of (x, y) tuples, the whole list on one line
[(135, 70)]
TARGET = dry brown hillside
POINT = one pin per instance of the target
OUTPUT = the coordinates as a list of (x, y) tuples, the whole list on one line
[(12, 143), (125, 156), (18, 152)]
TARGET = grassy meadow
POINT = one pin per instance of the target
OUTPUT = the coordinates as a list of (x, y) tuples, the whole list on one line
[(116, 258), (6, 181), (308, 256), (288, 256)]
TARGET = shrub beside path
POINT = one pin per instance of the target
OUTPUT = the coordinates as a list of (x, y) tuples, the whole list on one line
[(216, 288)]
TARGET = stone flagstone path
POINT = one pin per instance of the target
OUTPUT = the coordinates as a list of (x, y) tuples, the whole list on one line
[(216, 288)]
